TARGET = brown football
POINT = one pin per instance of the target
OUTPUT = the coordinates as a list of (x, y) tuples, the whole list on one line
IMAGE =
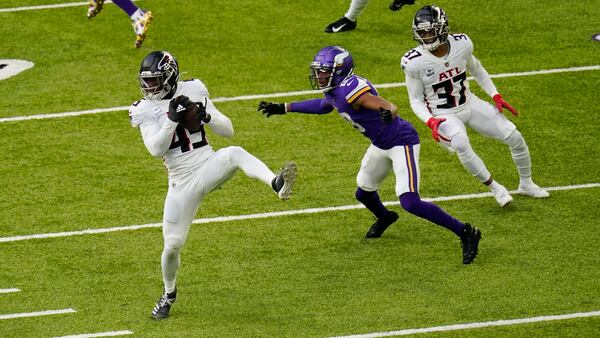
[(189, 121)]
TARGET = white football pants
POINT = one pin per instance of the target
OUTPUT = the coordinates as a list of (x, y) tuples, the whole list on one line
[(486, 120), (186, 193)]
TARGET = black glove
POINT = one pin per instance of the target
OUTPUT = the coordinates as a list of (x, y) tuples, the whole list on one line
[(397, 4), (271, 108), (202, 114), (386, 115), (178, 108)]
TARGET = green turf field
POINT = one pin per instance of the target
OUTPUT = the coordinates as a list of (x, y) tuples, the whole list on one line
[(299, 274)]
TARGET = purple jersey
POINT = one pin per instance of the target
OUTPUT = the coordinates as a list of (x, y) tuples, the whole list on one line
[(369, 122)]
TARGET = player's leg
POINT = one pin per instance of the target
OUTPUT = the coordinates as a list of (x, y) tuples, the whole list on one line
[(228, 160), (454, 130), (140, 19), (489, 122), (348, 21), (180, 208), (374, 167), (407, 172)]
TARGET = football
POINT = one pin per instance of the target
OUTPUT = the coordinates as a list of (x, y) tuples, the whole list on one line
[(190, 120)]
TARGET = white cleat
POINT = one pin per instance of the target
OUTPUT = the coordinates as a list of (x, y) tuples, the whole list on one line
[(287, 174), (502, 196), (533, 190)]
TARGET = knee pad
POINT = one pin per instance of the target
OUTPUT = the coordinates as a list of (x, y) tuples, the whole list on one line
[(173, 243), (460, 142), (515, 140)]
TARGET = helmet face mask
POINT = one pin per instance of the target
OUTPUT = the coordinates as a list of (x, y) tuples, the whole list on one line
[(430, 27), (158, 75), (330, 67)]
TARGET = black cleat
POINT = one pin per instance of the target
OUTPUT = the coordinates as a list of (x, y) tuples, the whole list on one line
[(342, 25), (162, 308), (396, 5), (469, 242), (377, 229)]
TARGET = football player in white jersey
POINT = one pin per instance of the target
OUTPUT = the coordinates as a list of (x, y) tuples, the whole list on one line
[(194, 168), (436, 79)]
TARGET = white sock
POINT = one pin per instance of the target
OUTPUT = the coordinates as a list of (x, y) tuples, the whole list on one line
[(356, 7), (137, 15)]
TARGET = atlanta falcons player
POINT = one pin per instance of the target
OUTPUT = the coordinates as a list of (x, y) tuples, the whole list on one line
[(436, 79), (394, 144), (194, 168)]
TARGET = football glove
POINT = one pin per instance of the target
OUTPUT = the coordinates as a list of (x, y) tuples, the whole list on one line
[(271, 108), (434, 123), (178, 108), (397, 4), (202, 115), (386, 115), (500, 103)]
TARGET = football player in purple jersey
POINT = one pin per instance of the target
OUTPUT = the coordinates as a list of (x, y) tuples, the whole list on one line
[(438, 88), (140, 19), (394, 144)]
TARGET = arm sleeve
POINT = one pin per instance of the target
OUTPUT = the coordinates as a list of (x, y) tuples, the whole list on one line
[(219, 123), (416, 96), (157, 138), (314, 106), (481, 76)]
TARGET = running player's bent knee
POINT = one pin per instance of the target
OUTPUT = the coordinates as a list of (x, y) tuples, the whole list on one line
[(515, 140), (410, 202), (173, 243), (460, 142)]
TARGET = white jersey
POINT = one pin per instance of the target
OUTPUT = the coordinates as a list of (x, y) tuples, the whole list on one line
[(439, 85), (181, 149)]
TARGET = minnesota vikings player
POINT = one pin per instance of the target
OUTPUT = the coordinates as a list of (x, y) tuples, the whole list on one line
[(194, 168), (436, 79), (394, 144)]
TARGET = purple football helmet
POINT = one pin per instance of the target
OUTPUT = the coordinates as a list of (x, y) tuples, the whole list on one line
[(330, 67)]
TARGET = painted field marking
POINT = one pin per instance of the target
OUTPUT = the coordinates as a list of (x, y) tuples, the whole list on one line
[(37, 314), (9, 290), (34, 8), (467, 326), (99, 334), (266, 215), (286, 94)]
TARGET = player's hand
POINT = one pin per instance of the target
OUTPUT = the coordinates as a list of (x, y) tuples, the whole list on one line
[(386, 115), (202, 115), (500, 103), (271, 108), (397, 4), (178, 107), (434, 123)]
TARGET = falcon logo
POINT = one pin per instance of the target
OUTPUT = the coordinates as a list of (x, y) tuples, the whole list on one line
[(167, 62)]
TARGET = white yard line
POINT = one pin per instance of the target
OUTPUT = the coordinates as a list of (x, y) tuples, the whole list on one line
[(99, 334), (34, 8), (266, 215), (37, 314), (9, 290), (476, 325), (286, 94)]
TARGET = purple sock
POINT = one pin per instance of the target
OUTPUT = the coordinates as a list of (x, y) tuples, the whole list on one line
[(412, 203), (371, 200), (127, 6)]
